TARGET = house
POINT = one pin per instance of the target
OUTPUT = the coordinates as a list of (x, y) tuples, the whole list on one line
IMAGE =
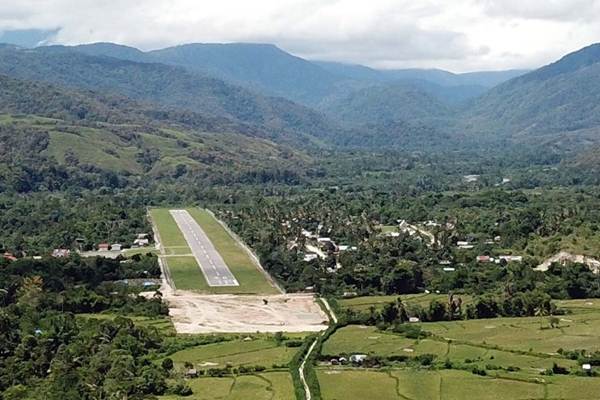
[(142, 236), (334, 361), (358, 358), (141, 242), (103, 247), (445, 262), (343, 360), (448, 269), (9, 256), (511, 258), (308, 257), (116, 247), (191, 373), (344, 247), (308, 234), (586, 367), (61, 253), (349, 294), (484, 259), (413, 319), (471, 178), (392, 234)]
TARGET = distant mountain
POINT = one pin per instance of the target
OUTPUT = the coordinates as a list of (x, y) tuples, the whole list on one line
[(560, 99), (444, 78), (272, 71), (387, 103), (169, 86), (262, 67)]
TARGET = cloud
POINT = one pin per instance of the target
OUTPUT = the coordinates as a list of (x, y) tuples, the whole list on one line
[(556, 10), (459, 35)]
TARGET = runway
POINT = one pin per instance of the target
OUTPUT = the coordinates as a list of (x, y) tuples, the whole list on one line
[(211, 263)]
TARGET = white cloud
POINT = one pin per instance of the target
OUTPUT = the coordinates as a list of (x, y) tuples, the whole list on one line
[(458, 35)]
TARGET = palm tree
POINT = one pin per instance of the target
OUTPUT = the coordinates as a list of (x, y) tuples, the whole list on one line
[(540, 311)]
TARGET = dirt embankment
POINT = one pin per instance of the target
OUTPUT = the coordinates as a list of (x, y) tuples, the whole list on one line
[(564, 257)]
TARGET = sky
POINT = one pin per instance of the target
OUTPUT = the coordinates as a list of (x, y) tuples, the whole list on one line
[(457, 35)]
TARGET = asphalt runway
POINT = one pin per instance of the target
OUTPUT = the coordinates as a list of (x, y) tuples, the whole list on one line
[(211, 263)]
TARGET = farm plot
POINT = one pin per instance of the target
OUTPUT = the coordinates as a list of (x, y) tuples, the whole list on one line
[(363, 304), (368, 340), (342, 384), (265, 352), (575, 331), (266, 386)]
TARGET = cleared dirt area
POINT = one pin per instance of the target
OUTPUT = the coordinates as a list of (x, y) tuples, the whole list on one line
[(196, 313)]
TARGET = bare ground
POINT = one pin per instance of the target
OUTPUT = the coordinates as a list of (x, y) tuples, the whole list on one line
[(197, 313)]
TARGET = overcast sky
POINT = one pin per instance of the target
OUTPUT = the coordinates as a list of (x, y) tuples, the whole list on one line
[(458, 35)]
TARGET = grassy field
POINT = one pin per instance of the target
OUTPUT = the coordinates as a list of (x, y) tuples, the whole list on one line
[(265, 386), (345, 384), (163, 325), (186, 273), (514, 351), (368, 340), (575, 331), (419, 299), (260, 351)]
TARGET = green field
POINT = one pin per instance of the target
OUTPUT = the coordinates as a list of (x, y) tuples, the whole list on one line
[(265, 386), (343, 384), (513, 351), (575, 331), (164, 325), (419, 299), (259, 351), (368, 340), (184, 268)]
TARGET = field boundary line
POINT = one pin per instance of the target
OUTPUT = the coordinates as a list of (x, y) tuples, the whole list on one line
[(249, 251)]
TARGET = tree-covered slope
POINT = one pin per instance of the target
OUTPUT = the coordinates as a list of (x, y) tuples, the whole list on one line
[(169, 86), (563, 97), (262, 67), (53, 138), (382, 104)]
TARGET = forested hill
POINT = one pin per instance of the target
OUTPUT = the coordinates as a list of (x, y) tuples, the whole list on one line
[(171, 87), (263, 67), (54, 138), (383, 104), (560, 101)]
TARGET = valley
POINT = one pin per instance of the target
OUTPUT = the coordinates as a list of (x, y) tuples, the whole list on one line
[(235, 221)]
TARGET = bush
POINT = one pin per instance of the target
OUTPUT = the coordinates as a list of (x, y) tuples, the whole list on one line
[(425, 359)]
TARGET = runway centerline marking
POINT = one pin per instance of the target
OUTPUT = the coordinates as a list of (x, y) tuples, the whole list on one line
[(204, 251)]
